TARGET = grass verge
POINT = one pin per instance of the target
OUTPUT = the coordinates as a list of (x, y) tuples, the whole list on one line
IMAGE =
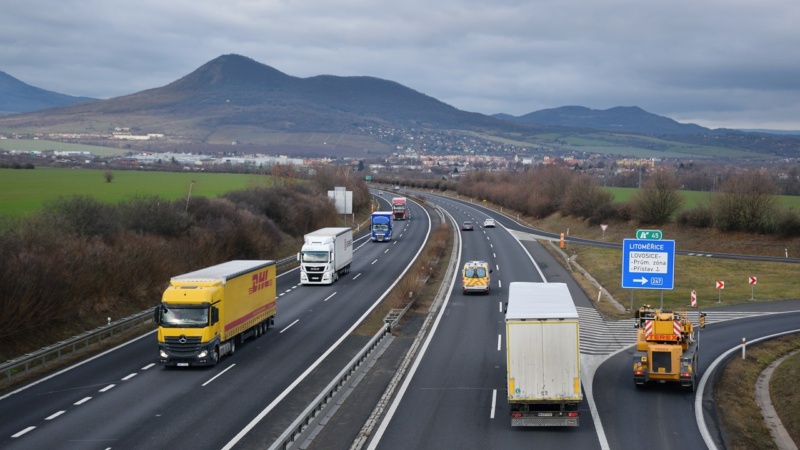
[(742, 423)]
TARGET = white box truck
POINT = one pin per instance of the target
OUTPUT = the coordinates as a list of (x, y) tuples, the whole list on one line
[(542, 355), (326, 254)]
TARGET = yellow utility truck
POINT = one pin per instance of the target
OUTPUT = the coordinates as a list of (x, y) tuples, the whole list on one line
[(666, 348), (204, 314)]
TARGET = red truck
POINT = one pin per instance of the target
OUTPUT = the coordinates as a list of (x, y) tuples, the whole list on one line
[(399, 208)]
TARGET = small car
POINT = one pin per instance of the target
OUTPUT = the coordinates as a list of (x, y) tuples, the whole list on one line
[(488, 223), (467, 226)]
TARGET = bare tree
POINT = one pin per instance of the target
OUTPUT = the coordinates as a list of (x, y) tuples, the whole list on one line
[(584, 197), (745, 202), (658, 199)]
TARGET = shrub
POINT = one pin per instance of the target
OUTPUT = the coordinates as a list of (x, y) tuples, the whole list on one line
[(787, 223), (700, 216)]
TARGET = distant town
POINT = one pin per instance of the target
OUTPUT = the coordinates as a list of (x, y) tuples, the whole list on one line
[(444, 154)]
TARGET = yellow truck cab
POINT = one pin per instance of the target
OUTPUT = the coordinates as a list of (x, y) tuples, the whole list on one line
[(475, 277)]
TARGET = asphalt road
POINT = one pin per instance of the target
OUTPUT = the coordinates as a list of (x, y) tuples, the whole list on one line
[(123, 400), (454, 394)]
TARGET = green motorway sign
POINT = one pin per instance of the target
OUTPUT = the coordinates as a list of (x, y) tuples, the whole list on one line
[(649, 234)]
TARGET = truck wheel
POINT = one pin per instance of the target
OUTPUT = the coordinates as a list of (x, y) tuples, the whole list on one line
[(215, 355), (233, 347)]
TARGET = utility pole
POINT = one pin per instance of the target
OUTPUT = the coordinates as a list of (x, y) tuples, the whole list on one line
[(189, 196)]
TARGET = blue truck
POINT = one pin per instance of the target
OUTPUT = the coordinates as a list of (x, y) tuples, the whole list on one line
[(381, 226)]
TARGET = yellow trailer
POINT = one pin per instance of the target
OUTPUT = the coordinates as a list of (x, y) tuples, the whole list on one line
[(204, 314)]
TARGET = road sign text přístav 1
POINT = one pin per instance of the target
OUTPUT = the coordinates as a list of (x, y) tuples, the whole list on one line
[(648, 264)]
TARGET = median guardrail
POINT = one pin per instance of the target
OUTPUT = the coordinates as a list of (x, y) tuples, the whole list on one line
[(57, 352)]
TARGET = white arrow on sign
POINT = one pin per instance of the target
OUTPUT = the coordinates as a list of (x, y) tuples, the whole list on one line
[(642, 280)]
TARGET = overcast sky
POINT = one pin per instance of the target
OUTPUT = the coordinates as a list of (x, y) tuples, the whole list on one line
[(717, 63)]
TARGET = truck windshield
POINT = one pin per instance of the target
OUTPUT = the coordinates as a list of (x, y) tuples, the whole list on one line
[(380, 227), (184, 317), (399, 208), (315, 257)]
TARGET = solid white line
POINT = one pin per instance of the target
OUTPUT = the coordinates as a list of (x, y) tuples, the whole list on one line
[(329, 297), (499, 342), (698, 398), (148, 366), (494, 403), (378, 434), (23, 432), (107, 388), (288, 326), (53, 416), (217, 375), (129, 377), (322, 357), (357, 275), (82, 401)]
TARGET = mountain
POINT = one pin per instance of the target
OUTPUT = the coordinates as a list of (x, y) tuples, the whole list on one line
[(626, 119), (234, 100), (236, 91), (18, 97)]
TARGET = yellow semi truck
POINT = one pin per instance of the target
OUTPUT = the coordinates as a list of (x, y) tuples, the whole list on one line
[(667, 348), (204, 314)]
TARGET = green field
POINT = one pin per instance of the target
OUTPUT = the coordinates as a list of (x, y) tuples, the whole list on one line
[(25, 191), (693, 198), (40, 145)]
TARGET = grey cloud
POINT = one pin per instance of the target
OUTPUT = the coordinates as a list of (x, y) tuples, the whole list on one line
[(714, 62)]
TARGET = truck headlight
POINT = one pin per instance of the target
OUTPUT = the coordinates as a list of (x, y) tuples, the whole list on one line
[(163, 354), (202, 354)]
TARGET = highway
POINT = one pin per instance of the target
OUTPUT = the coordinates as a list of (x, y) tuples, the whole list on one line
[(452, 396), (455, 395), (122, 399)]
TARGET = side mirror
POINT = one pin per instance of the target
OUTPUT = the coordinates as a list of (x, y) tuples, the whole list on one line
[(298, 257), (157, 315)]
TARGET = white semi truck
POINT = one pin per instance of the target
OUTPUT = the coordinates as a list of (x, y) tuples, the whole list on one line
[(326, 254), (543, 355)]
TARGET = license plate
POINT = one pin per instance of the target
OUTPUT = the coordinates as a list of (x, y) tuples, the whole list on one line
[(545, 414), (183, 364)]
